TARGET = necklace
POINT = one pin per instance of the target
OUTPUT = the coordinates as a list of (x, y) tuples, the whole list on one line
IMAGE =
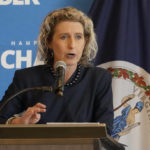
[(73, 80)]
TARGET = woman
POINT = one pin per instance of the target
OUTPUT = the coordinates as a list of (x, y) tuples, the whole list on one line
[(66, 35)]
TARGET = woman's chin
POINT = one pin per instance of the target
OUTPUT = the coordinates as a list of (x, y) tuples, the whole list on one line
[(71, 64)]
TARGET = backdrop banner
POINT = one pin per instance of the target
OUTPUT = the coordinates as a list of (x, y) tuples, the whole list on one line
[(122, 28)]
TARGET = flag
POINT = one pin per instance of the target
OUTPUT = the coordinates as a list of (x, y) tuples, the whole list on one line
[(123, 33)]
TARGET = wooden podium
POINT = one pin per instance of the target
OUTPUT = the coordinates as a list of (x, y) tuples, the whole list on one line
[(52, 136)]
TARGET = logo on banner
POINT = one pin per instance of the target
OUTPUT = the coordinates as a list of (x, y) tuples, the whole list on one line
[(19, 2), (131, 91)]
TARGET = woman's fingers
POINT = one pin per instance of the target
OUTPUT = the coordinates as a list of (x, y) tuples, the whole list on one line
[(35, 118), (32, 114), (37, 108), (40, 105)]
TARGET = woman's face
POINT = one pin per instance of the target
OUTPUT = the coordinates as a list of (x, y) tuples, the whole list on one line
[(68, 42)]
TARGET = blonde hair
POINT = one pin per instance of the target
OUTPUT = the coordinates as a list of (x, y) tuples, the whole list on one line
[(66, 14)]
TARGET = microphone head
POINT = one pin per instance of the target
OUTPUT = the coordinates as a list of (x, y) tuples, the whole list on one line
[(60, 64)]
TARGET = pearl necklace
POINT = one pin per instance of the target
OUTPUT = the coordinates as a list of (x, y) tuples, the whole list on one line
[(74, 79)]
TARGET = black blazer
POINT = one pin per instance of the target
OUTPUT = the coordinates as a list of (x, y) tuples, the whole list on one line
[(87, 96)]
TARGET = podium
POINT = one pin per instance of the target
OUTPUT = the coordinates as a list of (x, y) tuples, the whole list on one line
[(52, 136)]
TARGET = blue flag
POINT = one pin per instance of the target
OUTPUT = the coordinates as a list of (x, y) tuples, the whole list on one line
[(123, 33)]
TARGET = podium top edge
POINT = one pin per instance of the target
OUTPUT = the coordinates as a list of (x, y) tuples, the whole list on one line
[(49, 125)]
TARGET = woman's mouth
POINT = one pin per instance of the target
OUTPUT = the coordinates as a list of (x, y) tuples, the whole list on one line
[(71, 55)]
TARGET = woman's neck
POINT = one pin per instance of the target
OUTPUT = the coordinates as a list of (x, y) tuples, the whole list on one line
[(69, 72)]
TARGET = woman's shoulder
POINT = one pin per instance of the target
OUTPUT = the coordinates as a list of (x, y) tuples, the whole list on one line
[(97, 70), (30, 75), (96, 74), (33, 69)]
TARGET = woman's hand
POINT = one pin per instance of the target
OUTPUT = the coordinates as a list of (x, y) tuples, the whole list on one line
[(31, 116)]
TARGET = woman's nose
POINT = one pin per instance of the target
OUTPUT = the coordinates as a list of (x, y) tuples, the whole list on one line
[(71, 43)]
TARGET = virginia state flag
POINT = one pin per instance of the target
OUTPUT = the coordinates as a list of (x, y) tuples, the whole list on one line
[(123, 34)]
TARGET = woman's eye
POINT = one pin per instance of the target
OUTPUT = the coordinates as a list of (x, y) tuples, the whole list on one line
[(78, 37), (63, 37)]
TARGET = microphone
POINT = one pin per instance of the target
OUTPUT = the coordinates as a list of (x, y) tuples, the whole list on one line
[(60, 67)]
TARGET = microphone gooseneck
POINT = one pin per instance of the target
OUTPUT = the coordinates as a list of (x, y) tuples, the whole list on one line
[(60, 67)]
